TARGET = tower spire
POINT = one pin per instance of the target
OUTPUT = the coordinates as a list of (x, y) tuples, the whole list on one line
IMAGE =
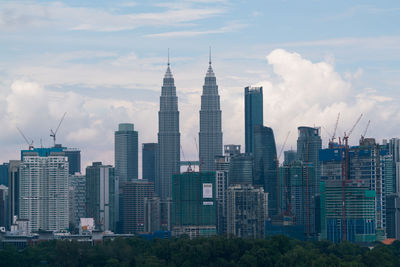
[(168, 58), (209, 57)]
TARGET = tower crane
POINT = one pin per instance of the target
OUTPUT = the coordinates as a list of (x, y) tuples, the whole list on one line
[(54, 133), (365, 131), (345, 173), (30, 144)]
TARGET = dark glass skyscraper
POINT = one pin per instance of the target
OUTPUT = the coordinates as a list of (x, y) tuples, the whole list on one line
[(168, 137), (210, 135), (265, 165), (149, 161), (126, 153), (241, 169), (253, 114)]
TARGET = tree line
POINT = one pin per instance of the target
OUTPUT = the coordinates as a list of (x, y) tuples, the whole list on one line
[(215, 251)]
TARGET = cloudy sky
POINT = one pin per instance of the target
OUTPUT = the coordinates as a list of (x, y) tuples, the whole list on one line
[(102, 62)]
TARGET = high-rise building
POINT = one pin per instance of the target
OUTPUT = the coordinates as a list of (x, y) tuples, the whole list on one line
[(152, 214), (135, 193), (13, 190), (265, 166), (168, 137), (309, 143), (221, 182), (3, 206), (126, 153), (210, 135), (194, 204), (74, 160), (102, 195), (393, 216), (358, 202), (43, 191), (241, 169), (4, 174), (247, 210), (73, 155), (289, 157), (149, 161), (231, 150), (253, 114), (77, 198)]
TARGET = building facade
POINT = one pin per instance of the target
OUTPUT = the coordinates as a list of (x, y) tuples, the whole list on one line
[(43, 191), (102, 195), (13, 190), (168, 137), (149, 161), (77, 199), (241, 169), (135, 193), (194, 206), (266, 173), (126, 153), (253, 114), (247, 209), (210, 135)]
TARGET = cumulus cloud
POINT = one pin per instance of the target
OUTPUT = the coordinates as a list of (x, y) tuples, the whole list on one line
[(297, 92), (312, 94)]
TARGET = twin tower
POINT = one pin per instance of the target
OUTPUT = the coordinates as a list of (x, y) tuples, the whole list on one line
[(169, 146)]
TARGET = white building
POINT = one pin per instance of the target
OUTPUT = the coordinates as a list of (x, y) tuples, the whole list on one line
[(43, 192)]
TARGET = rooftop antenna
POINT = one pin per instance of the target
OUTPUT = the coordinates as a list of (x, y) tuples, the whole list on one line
[(168, 58), (53, 134)]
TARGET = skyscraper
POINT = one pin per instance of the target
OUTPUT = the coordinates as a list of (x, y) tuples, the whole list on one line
[(168, 136), (309, 143), (43, 189), (126, 153), (253, 114), (210, 135), (101, 195), (241, 169), (265, 165), (149, 161), (77, 198), (13, 190)]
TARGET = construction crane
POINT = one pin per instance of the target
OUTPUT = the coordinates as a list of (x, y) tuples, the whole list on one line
[(283, 146), (53, 134), (345, 173), (335, 128), (30, 144), (365, 131)]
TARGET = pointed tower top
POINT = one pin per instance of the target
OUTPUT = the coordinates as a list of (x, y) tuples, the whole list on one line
[(210, 72), (168, 57), (209, 60), (168, 73)]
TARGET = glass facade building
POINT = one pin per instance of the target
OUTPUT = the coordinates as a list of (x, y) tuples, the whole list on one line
[(126, 153), (253, 114)]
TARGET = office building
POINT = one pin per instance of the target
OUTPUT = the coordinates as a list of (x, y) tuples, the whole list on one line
[(102, 195), (393, 216), (135, 193), (149, 161), (221, 181), (126, 153), (289, 157), (231, 150), (194, 206), (247, 210), (77, 199), (152, 214), (3, 206), (309, 143), (241, 169), (266, 173), (43, 191), (4, 174), (253, 114), (13, 190), (168, 137), (354, 221), (210, 135)]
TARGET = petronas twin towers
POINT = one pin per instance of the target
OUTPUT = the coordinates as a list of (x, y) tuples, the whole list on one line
[(210, 135)]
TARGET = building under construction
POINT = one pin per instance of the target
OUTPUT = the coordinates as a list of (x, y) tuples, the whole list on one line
[(194, 206)]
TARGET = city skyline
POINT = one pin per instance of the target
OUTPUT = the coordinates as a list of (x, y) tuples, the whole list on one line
[(100, 86)]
